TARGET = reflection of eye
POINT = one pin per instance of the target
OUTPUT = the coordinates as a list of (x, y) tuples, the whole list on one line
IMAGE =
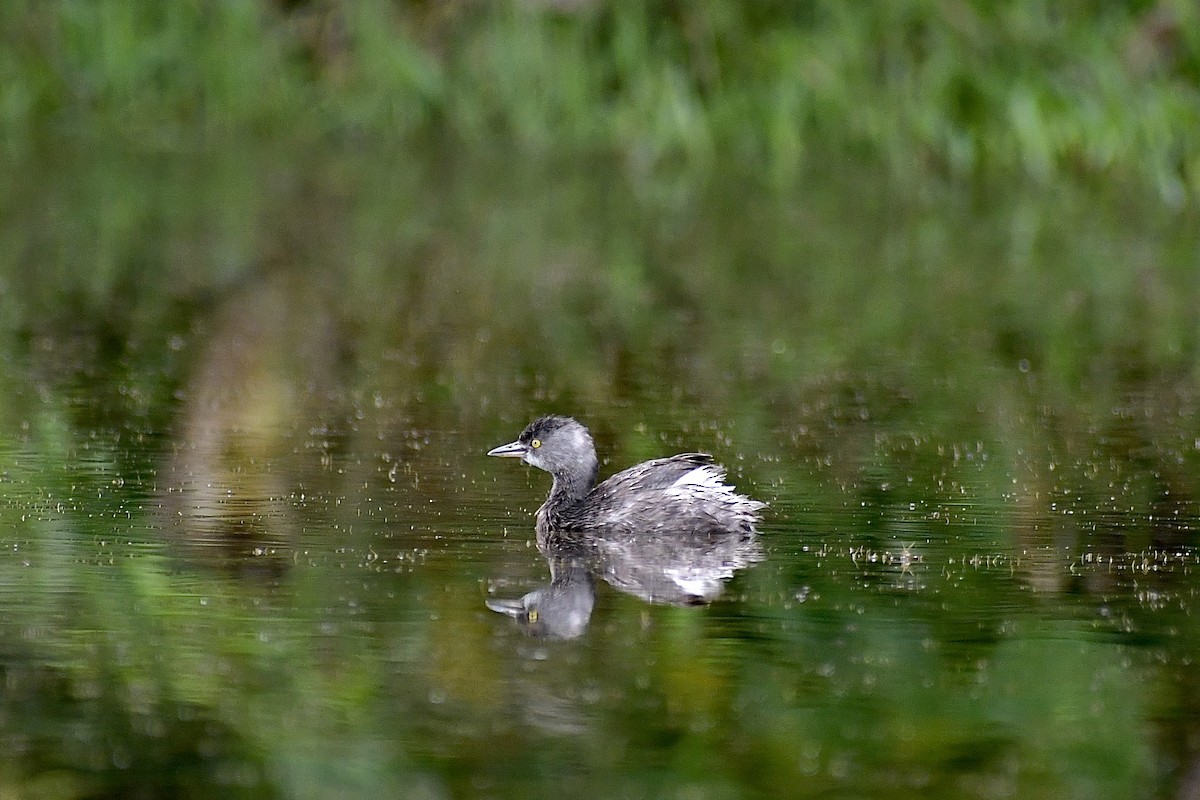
[(533, 615), (535, 444)]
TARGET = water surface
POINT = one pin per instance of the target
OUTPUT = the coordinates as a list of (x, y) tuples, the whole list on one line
[(250, 533)]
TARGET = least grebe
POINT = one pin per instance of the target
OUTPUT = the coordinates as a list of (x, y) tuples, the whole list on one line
[(684, 495)]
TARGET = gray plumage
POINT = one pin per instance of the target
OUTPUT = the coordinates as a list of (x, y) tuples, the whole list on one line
[(680, 496)]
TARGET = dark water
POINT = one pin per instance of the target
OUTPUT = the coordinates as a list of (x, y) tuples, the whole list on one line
[(249, 534)]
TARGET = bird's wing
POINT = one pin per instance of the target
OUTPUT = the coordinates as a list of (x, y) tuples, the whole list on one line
[(659, 473)]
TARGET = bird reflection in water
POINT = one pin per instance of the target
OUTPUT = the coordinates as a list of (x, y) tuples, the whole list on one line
[(674, 571), (667, 531), (561, 609)]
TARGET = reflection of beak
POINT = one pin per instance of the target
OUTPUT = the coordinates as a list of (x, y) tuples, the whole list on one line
[(513, 608), (510, 450)]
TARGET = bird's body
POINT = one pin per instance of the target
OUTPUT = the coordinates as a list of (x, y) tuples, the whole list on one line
[(683, 496)]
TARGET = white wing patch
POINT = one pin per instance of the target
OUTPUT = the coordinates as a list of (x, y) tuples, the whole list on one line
[(698, 584), (706, 477), (707, 484)]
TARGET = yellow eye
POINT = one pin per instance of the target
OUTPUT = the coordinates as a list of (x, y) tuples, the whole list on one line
[(533, 615), (535, 444)]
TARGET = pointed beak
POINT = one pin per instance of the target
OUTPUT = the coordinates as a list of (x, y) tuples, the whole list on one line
[(510, 450), (512, 608)]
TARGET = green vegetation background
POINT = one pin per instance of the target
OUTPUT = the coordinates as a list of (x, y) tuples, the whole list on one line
[(876, 241), (1094, 91), (1025, 173)]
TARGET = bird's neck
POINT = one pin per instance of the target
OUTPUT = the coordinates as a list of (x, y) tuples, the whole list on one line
[(571, 488)]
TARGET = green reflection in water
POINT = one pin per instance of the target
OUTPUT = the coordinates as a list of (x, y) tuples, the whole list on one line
[(249, 530)]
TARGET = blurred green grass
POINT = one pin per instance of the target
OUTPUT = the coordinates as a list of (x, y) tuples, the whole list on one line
[(935, 88)]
